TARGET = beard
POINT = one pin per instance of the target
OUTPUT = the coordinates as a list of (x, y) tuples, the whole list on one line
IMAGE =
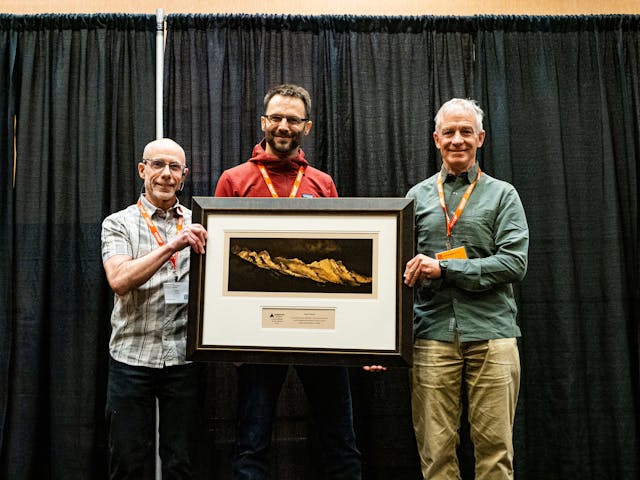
[(284, 145)]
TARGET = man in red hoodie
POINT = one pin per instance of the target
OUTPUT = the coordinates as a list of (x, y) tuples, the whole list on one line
[(278, 168)]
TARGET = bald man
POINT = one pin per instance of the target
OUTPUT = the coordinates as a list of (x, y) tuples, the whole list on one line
[(145, 253)]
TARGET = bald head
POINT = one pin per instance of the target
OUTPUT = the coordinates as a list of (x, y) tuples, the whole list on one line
[(162, 146), (163, 170)]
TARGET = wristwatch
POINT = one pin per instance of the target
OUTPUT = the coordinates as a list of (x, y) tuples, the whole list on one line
[(443, 269)]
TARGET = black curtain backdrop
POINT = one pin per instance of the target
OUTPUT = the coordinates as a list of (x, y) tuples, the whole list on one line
[(373, 82), (82, 92), (562, 97), (7, 54)]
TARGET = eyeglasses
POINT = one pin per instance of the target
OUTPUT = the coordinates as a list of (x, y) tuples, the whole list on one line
[(160, 164), (292, 121)]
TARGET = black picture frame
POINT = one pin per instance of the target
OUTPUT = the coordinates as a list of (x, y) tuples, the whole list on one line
[(302, 281)]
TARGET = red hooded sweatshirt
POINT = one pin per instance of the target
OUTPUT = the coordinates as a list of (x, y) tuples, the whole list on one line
[(245, 180)]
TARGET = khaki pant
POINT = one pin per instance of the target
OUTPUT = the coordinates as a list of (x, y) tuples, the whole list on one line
[(491, 372)]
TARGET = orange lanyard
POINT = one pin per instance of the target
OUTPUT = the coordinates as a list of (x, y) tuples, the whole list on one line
[(463, 203), (267, 180), (156, 234)]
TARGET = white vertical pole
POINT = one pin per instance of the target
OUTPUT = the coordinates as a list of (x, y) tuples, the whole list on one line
[(159, 134), (159, 70)]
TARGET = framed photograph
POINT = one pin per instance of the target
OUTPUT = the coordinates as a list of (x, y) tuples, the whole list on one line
[(302, 281)]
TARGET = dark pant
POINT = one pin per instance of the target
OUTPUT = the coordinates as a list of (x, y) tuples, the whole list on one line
[(329, 394), (131, 419)]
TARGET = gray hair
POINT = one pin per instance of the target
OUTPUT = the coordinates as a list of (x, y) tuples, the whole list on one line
[(455, 104)]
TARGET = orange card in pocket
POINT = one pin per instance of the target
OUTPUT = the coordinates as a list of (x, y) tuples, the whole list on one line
[(458, 252)]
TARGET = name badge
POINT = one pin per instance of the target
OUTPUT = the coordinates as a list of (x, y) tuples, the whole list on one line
[(176, 292), (458, 252)]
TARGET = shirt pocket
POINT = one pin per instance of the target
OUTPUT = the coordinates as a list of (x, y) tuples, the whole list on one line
[(475, 228)]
